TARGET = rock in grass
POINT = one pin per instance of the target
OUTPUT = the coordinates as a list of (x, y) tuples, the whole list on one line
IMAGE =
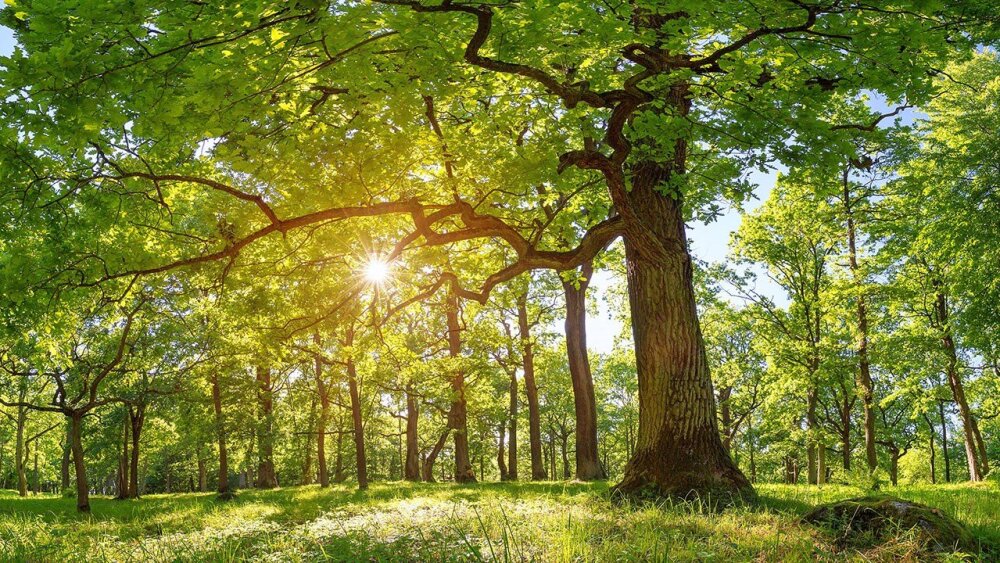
[(869, 521)]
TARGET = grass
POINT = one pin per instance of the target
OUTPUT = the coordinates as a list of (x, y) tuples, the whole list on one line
[(411, 522)]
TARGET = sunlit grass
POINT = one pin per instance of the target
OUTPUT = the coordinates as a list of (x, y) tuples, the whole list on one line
[(406, 521)]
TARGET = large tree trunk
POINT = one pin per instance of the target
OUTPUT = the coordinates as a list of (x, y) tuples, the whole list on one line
[(512, 438), (975, 449), (678, 448), (76, 444), (137, 418), (588, 463), (457, 416), (220, 433), (864, 369), (531, 390), (361, 457), (266, 477), (411, 470)]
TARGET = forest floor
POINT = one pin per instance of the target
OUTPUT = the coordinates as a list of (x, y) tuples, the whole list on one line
[(551, 521)]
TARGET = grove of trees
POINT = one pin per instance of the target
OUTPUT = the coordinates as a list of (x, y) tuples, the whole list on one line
[(261, 244)]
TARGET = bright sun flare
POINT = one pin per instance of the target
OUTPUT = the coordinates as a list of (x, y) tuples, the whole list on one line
[(377, 271)]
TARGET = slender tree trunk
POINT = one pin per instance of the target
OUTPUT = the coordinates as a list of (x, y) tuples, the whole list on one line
[(64, 469), (813, 427), (565, 455), (412, 469), (930, 435), (845, 434), (323, 390), (266, 477), (790, 475), (22, 479), (864, 382), (361, 457), (458, 417), (821, 464), (220, 433), (501, 454), (202, 471), (531, 390), (678, 448), (894, 467), (727, 418), (137, 418), (588, 463), (944, 443), (512, 437), (307, 471), (123, 460), (38, 476), (338, 471), (82, 489), (975, 449), (428, 468)]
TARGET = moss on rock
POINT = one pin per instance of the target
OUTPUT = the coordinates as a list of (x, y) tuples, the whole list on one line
[(869, 521)]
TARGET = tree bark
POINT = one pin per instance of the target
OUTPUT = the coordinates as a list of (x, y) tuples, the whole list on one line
[(588, 463), (531, 391), (82, 489), (361, 457), (266, 477), (678, 448), (458, 416)]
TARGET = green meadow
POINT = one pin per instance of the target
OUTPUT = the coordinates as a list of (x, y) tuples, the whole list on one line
[(443, 522)]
